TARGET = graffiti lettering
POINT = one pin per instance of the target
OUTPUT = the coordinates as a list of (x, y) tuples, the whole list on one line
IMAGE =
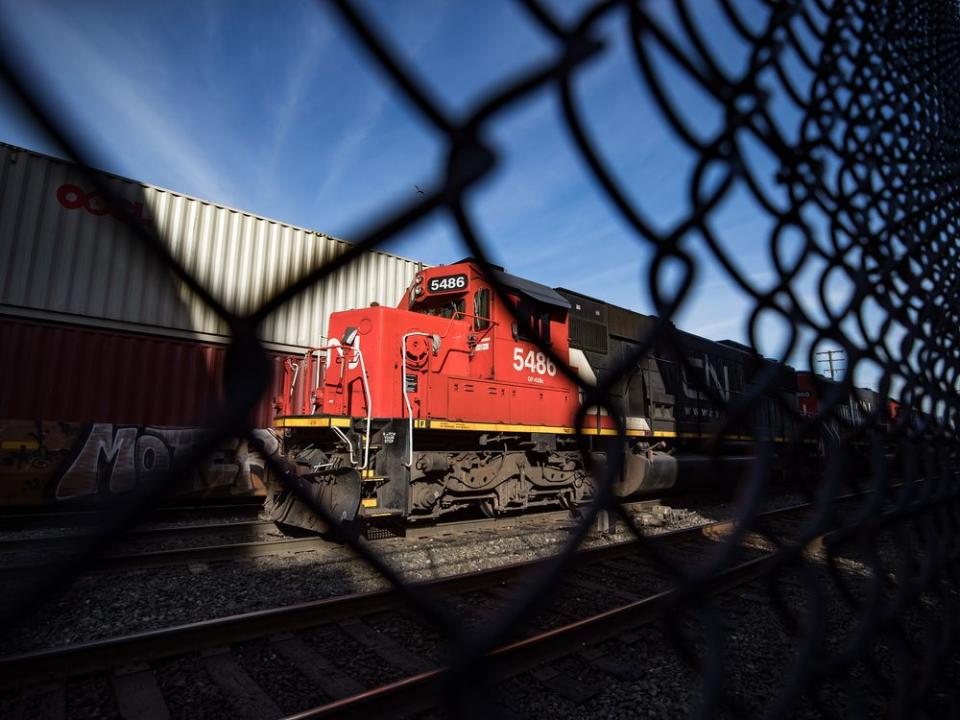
[(73, 197), (58, 461)]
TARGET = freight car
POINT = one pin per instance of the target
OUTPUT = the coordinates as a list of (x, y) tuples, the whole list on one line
[(446, 403), (109, 366)]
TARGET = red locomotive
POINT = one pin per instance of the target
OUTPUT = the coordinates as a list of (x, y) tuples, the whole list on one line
[(441, 404)]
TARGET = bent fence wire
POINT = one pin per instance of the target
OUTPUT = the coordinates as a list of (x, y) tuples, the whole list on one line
[(868, 182)]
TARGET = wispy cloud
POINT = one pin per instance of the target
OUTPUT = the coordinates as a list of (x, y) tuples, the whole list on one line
[(296, 87), (374, 105), (350, 146), (119, 116)]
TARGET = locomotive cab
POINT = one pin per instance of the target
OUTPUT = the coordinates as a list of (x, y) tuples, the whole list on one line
[(450, 351), (515, 381)]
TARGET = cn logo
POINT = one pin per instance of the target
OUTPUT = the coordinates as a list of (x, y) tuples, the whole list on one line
[(713, 380), (74, 197), (335, 346)]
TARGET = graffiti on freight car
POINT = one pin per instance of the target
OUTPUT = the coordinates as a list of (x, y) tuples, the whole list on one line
[(74, 197), (43, 462), (117, 459)]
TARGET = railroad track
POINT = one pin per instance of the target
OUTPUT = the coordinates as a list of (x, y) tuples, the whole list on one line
[(590, 605), (140, 534), (179, 556), (232, 551), (31, 519)]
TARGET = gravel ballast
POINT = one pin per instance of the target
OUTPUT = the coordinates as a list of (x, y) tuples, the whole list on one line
[(758, 648)]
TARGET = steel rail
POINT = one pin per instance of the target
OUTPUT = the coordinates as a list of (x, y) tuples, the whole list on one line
[(83, 658), (414, 531), (12, 519), (238, 551), (181, 556), (425, 690), (139, 534)]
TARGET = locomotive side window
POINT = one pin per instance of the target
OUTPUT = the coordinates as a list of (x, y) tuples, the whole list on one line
[(532, 316), (481, 309)]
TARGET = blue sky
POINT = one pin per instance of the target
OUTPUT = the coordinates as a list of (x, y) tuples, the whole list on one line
[(273, 108)]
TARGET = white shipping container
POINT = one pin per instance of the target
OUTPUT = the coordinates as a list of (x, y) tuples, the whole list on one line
[(64, 257)]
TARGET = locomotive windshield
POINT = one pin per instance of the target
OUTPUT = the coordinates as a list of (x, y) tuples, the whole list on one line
[(446, 307)]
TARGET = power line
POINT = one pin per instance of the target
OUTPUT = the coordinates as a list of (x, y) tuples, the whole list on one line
[(833, 366)]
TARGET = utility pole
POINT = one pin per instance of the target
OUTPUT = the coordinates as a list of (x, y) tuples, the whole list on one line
[(833, 367)]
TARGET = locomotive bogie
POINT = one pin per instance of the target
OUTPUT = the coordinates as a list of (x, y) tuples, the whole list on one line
[(489, 473)]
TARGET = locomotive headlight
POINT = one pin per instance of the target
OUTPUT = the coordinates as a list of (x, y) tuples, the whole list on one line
[(418, 279), (418, 291)]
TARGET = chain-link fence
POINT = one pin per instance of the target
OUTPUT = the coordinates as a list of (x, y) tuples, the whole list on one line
[(865, 177)]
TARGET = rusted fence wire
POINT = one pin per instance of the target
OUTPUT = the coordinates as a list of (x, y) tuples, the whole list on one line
[(867, 178)]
